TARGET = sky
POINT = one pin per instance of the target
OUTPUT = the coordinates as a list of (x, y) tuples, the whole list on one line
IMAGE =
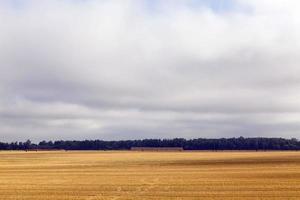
[(134, 69)]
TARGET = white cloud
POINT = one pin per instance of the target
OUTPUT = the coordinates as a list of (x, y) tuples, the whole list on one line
[(121, 69)]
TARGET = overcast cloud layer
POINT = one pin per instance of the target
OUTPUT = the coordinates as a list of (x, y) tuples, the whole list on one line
[(131, 69)]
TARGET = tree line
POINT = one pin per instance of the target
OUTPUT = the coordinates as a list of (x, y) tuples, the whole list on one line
[(240, 143)]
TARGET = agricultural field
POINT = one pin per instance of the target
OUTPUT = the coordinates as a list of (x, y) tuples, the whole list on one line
[(95, 175)]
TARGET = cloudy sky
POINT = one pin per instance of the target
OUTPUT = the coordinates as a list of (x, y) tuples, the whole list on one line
[(131, 69)]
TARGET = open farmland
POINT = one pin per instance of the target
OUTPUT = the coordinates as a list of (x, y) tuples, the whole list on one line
[(149, 175)]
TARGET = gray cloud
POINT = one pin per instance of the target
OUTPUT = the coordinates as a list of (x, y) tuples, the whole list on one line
[(134, 69)]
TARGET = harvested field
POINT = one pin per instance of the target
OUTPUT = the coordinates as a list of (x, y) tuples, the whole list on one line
[(95, 175)]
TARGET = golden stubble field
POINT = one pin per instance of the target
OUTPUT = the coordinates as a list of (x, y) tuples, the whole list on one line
[(116, 175)]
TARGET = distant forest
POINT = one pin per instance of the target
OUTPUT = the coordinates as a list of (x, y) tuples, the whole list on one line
[(241, 143)]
